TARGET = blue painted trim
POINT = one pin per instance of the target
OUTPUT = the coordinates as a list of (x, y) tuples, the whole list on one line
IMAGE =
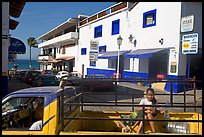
[(108, 57), (115, 27), (127, 74), (97, 30), (145, 18), (107, 73), (4, 82), (129, 55), (177, 86), (101, 48), (83, 51)]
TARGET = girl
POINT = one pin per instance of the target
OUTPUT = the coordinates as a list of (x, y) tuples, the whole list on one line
[(150, 112)]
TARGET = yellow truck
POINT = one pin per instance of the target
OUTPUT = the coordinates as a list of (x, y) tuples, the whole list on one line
[(63, 114)]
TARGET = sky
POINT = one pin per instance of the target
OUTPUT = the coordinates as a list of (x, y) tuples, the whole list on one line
[(37, 18)]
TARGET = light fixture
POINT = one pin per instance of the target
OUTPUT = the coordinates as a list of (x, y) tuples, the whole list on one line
[(131, 37), (161, 41), (119, 40)]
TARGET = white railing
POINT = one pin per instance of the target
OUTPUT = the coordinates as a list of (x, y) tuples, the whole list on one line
[(62, 38)]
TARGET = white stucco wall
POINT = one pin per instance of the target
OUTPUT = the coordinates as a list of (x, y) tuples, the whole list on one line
[(131, 22)]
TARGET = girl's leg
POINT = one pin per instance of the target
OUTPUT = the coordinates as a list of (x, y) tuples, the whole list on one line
[(140, 125), (120, 123), (150, 116)]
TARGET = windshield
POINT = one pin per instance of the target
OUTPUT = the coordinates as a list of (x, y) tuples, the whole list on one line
[(14, 103)]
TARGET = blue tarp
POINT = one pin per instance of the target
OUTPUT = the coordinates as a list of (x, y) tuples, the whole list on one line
[(112, 54), (143, 53), (16, 46)]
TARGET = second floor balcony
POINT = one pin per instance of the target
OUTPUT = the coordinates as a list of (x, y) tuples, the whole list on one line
[(45, 57), (70, 37)]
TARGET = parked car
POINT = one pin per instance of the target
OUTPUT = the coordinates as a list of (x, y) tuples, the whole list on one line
[(30, 75), (97, 82), (18, 74), (73, 77), (54, 72), (45, 80), (60, 74)]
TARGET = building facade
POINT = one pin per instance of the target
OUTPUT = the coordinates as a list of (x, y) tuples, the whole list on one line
[(153, 27), (152, 42), (59, 46)]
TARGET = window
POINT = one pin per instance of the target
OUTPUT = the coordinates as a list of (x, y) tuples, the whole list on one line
[(93, 63), (149, 18), (127, 64), (102, 49), (115, 27), (98, 31), (112, 63), (83, 51), (18, 106)]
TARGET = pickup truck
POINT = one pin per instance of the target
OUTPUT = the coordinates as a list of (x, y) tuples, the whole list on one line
[(63, 114)]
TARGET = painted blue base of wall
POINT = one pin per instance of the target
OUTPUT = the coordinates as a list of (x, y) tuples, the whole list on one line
[(4, 82), (106, 72), (177, 86), (127, 74)]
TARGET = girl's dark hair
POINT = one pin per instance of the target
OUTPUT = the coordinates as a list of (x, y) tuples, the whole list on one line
[(151, 90)]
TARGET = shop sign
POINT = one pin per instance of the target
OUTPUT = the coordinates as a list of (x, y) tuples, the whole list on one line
[(93, 56), (94, 45), (190, 43), (187, 23), (173, 67)]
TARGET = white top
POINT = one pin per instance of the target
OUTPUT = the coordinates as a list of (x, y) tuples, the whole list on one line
[(145, 102), (37, 125)]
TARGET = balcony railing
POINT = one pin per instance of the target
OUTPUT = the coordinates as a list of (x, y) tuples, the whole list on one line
[(68, 37)]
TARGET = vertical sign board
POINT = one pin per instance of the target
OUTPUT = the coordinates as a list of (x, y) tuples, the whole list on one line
[(187, 23), (190, 43), (93, 54), (94, 45)]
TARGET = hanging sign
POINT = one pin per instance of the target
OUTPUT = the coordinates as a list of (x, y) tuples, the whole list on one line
[(94, 45), (190, 43), (93, 56), (187, 23)]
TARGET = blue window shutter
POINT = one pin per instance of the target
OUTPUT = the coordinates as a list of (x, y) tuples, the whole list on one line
[(83, 51), (115, 27), (98, 31)]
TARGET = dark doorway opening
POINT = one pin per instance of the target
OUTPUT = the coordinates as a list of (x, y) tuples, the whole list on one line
[(158, 64), (196, 68)]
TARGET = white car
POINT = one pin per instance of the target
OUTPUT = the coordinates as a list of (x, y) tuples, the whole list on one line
[(60, 74)]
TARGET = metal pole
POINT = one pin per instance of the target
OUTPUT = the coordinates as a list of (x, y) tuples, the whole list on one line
[(194, 89), (171, 93), (188, 66), (118, 65), (116, 90), (184, 98), (133, 103)]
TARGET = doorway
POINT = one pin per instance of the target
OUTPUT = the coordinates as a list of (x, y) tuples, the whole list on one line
[(158, 64)]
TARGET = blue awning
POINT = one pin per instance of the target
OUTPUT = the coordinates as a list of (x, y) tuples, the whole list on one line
[(112, 54), (143, 53), (16, 46)]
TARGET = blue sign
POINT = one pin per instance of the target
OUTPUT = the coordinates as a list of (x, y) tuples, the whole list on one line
[(16, 46)]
